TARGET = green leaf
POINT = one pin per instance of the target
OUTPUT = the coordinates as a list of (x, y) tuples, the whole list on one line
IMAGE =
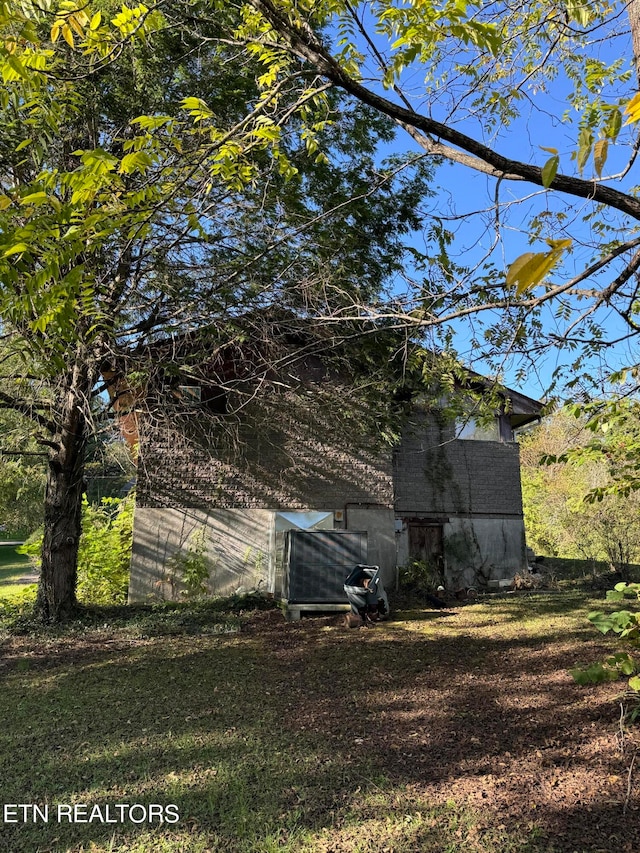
[(600, 621), (197, 108), (595, 673), (614, 595), (634, 683), (613, 125), (16, 250), (16, 66), (137, 161), (152, 122), (585, 144), (580, 676), (34, 198), (578, 10), (549, 171), (627, 667)]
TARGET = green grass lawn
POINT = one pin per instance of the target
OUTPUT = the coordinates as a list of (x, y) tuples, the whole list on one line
[(13, 567), (12, 564), (257, 731)]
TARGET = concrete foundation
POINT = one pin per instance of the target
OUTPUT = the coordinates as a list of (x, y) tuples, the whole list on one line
[(242, 547), (238, 551), (481, 550)]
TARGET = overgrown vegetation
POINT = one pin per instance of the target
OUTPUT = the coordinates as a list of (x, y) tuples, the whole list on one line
[(571, 504), (189, 567), (625, 624), (421, 577), (104, 551)]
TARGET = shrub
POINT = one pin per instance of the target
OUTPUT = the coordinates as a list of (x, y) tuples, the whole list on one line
[(421, 576), (626, 624), (104, 553), (190, 567)]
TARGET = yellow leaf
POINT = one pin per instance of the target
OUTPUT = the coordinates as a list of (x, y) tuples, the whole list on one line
[(34, 198), (513, 273), (529, 269), (77, 26), (136, 161), (559, 245), (82, 17), (18, 249), (600, 150), (95, 21), (67, 35), (633, 109), (55, 31), (5, 202), (531, 272), (539, 271)]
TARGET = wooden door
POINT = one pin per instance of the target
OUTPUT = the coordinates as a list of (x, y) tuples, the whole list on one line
[(426, 542)]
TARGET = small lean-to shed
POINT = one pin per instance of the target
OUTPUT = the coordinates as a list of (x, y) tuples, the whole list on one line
[(231, 472)]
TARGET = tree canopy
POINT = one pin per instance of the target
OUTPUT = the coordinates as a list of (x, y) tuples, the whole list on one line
[(153, 182), (579, 462), (175, 164), (538, 99)]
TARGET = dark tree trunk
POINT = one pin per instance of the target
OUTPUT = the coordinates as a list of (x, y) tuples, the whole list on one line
[(56, 598)]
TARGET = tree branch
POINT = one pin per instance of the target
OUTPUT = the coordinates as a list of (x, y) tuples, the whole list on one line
[(303, 42), (27, 409)]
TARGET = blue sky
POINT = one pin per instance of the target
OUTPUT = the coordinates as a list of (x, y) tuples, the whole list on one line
[(464, 192)]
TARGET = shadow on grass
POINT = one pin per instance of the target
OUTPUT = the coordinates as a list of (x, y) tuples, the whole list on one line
[(523, 606), (584, 570), (292, 736), (420, 615), (13, 567)]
